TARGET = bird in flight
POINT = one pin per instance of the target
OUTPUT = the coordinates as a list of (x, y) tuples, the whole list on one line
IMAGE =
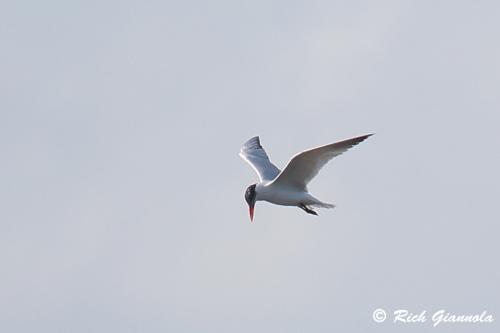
[(289, 187)]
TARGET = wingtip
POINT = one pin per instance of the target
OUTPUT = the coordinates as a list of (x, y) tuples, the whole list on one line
[(253, 138), (362, 137), (366, 136), (253, 142)]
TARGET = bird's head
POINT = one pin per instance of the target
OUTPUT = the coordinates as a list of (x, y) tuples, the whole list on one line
[(250, 196)]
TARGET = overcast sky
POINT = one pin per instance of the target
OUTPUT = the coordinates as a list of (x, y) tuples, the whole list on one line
[(122, 192)]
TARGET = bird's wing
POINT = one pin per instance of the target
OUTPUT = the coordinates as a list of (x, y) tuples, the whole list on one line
[(304, 166), (256, 156)]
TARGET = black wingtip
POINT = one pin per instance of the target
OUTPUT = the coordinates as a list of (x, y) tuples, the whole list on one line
[(253, 143), (359, 139), (364, 137)]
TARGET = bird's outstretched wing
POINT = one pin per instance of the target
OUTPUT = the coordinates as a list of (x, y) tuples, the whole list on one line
[(305, 165), (256, 156)]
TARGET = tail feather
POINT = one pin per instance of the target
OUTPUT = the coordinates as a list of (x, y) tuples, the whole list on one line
[(323, 205)]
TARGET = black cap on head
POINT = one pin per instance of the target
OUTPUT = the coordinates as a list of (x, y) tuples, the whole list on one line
[(250, 195)]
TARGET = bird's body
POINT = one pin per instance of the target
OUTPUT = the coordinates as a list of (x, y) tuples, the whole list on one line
[(289, 187), (283, 196)]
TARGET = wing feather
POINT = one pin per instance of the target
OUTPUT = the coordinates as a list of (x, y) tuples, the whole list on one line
[(253, 153), (304, 166)]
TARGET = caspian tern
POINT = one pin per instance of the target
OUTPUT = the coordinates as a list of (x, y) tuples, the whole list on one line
[(289, 187)]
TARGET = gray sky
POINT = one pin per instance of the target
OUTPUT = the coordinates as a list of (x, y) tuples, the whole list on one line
[(122, 189)]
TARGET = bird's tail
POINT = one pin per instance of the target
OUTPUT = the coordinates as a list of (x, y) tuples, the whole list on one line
[(323, 205)]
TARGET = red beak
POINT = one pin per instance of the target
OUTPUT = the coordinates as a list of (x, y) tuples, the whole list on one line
[(250, 209)]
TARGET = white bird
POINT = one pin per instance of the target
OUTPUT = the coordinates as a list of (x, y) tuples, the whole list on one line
[(289, 187)]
